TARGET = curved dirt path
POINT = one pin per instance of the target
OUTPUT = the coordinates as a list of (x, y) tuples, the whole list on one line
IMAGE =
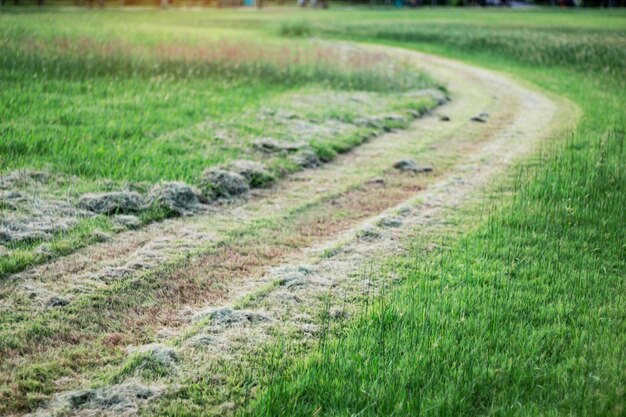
[(317, 231)]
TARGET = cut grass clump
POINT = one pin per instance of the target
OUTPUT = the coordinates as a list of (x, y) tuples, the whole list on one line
[(256, 174), (148, 362), (22, 254), (219, 183)]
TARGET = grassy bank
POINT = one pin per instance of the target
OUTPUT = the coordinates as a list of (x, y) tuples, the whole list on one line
[(523, 315)]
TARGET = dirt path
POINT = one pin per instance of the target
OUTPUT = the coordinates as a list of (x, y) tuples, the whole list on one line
[(133, 252), (278, 256)]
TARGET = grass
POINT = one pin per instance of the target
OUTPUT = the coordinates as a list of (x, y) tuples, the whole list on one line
[(520, 315), (70, 95), (163, 103), (523, 314), (88, 336), (295, 30)]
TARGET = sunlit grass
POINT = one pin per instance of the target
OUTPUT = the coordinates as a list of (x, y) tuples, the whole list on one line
[(120, 100), (92, 107), (524, 314)]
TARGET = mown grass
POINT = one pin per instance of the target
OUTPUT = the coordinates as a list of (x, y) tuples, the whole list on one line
[(522, 317), (524, 314), (123, 100)]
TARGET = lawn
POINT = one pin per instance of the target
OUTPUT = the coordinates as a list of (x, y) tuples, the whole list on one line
[(518, 309), (524, 314), (149, 97)]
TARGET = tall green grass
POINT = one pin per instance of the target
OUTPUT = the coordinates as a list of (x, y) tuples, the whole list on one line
[(524, 314), (121, 100), (90, 102), (596, 50)]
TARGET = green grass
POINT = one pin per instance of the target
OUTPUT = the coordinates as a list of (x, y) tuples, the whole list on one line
[(524, 313), (521, 315), (118, 100), (87, 103)]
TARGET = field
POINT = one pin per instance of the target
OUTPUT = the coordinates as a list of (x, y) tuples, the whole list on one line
[(488, 281), (68, 94)]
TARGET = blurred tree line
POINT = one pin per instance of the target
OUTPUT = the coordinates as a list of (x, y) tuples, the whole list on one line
[(235, 3), (103, 3), (474, 3)]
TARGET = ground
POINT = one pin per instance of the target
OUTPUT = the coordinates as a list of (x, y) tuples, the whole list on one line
[(232, 213)]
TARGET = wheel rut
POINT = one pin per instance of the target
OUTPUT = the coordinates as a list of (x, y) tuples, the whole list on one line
[(276, 259)]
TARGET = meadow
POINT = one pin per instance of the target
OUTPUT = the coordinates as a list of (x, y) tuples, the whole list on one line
[(517, 310), (75, 83), (164, 102), (524, 314)]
